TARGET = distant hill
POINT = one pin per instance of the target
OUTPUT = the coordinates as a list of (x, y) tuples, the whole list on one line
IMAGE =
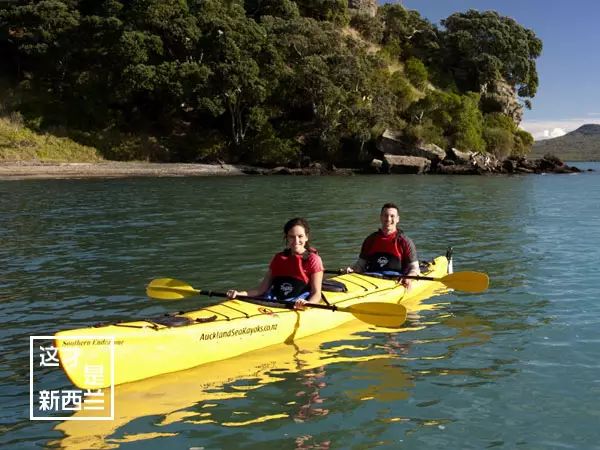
[(582, 144)]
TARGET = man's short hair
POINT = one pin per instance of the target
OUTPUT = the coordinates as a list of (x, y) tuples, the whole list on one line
[(388, 206)]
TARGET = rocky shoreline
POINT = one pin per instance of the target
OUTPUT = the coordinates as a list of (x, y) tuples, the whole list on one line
[(395, 156), (458, 163), (467, 164)]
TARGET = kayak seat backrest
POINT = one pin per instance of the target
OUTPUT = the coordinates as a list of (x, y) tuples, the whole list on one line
[(329, 285), (425, 266)]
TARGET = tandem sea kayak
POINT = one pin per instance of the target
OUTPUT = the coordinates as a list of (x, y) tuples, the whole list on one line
[(136, 350), (176, 397)]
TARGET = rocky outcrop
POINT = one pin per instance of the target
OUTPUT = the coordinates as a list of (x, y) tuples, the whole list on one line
[(400, 159), (391, 143), (368, 7), (547, 164), (394, 154), (458, 156), (499, 96), (312, 169), (482, 164), (405, 164), (467, 163), (456, 163)]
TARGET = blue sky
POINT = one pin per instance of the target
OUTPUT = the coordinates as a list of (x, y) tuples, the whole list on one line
[(569, 67)]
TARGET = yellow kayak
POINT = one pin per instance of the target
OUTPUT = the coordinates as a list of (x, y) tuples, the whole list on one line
[(124, 352), (192, 396)]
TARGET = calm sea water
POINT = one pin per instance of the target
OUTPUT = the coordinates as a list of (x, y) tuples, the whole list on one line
[(515, 367)]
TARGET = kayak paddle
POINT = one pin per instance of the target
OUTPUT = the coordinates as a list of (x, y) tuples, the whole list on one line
[(460, 281), (389, 315)]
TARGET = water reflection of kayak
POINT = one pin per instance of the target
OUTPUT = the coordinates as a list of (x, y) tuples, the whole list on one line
[(151, 347), (188, 396)]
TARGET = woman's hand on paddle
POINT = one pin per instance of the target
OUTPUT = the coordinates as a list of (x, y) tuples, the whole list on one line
[(406, 282), (299, 304)]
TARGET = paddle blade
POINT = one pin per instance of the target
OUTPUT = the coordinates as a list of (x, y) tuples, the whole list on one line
[(169, 289), (388, 315), (467, 281)]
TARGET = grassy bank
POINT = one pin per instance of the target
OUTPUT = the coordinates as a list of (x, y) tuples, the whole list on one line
[(19, 143)]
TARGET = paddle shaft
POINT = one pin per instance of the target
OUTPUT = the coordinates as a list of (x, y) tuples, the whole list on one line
[(262, 299), (391, 277), (462, 281), (380, 314)]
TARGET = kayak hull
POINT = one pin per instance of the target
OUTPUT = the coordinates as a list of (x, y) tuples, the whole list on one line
[(147, 348)]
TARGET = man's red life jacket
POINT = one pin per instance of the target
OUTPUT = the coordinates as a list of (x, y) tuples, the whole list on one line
[(386, 252)]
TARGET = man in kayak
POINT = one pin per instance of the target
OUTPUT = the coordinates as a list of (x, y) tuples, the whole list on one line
[(388, 251), (295, 274)]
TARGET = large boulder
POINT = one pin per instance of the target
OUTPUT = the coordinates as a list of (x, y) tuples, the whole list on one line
[(548, 164), (391, 143), (469, 163), (553, 164), (429, 151), (485, 162), (376, 166), (405, 164), (459, 157), (454, 169)]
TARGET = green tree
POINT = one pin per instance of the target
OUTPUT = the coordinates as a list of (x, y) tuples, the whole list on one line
[(499, 134), (408, 31), (332, 89), (368, 107), (370, 28), (286, 9), (308, 96), (416, 72), (447, 119), (523, 143), (263, 81), (42, 34), (467, 127), (402, 92), (170, 20), (481, 47), (335, 11), (236, 50)]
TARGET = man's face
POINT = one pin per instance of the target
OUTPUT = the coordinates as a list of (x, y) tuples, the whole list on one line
[(389, 219)]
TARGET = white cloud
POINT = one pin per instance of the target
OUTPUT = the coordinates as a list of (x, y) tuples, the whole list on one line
[(546, 129), (556, 132)]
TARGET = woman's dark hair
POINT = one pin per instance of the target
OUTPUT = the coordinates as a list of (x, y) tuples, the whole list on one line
[(296, 221), (292, 223)]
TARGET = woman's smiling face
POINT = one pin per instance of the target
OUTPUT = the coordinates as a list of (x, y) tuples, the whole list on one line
[(296, 239)]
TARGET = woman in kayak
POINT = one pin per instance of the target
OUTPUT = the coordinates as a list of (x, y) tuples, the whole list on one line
[(295, 274), (388, 251)]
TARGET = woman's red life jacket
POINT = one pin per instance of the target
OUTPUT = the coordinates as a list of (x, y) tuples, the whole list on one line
[(289, 274)]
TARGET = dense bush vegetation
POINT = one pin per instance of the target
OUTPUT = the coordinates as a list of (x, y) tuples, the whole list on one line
[(265, 82)]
